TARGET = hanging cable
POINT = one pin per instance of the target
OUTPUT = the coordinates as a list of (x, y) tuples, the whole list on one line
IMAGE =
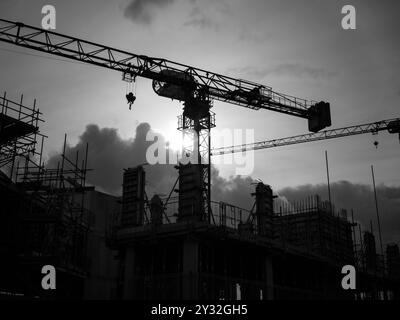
[(130, 96)]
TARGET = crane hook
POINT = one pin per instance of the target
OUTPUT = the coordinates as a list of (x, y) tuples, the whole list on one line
[(130, 97), (376, 144)]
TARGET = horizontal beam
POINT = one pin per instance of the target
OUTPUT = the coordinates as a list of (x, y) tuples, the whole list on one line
[(373, 127), (216, 86)]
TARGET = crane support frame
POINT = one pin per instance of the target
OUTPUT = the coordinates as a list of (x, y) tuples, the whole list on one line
[(215, 86)]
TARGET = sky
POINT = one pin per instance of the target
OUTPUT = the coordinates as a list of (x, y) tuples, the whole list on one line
[(296, 47)]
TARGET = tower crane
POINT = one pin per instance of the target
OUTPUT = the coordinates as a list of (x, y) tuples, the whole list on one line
[(196, 88), (390, 125)]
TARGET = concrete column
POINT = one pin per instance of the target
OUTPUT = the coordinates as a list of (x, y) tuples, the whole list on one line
[(129, 274), (190, 289), (269, 295)]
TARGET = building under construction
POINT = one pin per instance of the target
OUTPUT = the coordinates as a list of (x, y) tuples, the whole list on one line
[(183, 247), (44, 221), (270, 252), (178, 247)]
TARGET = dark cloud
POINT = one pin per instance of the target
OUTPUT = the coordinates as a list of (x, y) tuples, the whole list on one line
[(287, 69), (109, 154), (235, 190), (141, 11), (207, 15), (200, 20), (359, 197)]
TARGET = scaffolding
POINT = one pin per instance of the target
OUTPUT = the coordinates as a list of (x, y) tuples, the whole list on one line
[(19, 130), (44, 220), (57, 208)]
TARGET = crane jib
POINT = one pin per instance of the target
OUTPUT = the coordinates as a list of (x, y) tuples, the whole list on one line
[(180, 77), (391, 125)]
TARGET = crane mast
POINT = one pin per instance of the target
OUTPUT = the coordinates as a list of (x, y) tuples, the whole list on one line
[(196, 88)]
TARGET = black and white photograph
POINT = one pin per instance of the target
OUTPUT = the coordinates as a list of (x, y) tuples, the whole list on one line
[(201, 157)]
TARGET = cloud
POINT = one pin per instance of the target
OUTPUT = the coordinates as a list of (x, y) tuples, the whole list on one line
[(234, 190), (254, 36), (287, 69), (142, 11), (109, 154), (205, 15), (198, 18), (201, 22), (301, 71), (359, 197)]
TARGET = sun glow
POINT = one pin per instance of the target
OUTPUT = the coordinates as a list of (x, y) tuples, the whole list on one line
[(173, 137)]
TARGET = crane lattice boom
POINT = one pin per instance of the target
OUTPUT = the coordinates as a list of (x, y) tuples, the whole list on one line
[(198, 81), (392, 126)]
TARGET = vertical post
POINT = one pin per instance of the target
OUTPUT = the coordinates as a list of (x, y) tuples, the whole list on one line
[(33, 113), (269, 295), (354, 230), (377, 209), (18, 33), (20, 106), (13, 159), (57, 175), (361, 240), (129, 274), (41, 153), (76, 169), (86, 161), (190, 270), (62, 161), (196, 122), (3, 107), (209, 211), (327, 177), (361, 261)]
